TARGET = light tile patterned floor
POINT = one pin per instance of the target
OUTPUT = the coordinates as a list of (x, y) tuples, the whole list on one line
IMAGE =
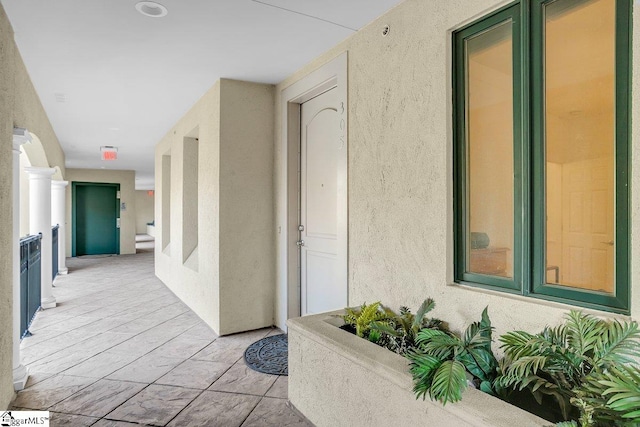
[(121, 350)]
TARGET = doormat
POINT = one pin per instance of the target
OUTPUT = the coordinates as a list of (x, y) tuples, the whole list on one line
[(269, 355)]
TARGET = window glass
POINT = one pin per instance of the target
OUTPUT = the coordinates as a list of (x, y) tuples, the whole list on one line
[(579, 117), (489, 128)]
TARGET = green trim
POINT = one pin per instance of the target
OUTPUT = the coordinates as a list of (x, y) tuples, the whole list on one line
[(619, 301), (74, 185), (461, 181), (529, 159)]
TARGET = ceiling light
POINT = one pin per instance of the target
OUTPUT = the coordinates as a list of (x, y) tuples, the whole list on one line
[(152, 9)]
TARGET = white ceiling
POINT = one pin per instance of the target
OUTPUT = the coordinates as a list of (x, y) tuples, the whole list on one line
[(126, 79)]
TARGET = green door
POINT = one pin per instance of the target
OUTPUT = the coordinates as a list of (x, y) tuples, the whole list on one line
[(96, 215)]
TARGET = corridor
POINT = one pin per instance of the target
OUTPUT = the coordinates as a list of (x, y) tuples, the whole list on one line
[(121, 350)]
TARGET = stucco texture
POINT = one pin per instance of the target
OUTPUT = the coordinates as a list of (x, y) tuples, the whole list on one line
[(144, 210), (126, 179), (400, 169), (19, 107), (7, 95), (230, 284), (365, 384)]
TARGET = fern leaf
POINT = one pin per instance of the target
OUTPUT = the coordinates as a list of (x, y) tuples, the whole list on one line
[(426, 307), (477, 335), (368, 314), (623, 386), (449, 382), (423, 368), (439, 344), (619, 344), (385, 328), (516, 344), (426, 335), (583, 332), (526, 366)]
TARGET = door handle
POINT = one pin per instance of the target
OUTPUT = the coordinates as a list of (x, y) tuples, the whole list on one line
[(300, 243)]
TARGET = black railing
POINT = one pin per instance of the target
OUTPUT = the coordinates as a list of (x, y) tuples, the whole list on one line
[(29, 281), (54, 251)]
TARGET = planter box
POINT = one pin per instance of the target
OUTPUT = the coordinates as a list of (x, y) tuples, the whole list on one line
[(339, 379)]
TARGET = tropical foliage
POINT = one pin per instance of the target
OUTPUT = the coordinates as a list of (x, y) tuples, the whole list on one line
[(441, 361), (587, 367), (361, 319), (399, 333), (581, 365)]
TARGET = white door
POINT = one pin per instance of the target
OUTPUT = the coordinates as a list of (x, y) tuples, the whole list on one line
[(321, 290), (588, 223)]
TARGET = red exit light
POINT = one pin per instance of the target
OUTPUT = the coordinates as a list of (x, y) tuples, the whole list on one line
[(109, 155), (109, 152)]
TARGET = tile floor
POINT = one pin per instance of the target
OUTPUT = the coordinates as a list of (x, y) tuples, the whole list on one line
[(121, 350)]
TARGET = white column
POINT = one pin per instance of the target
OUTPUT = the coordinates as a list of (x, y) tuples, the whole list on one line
[(40, 222), (58, 216), (20, 374)]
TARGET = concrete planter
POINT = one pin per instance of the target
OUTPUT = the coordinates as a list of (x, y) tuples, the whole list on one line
[(338, 379)]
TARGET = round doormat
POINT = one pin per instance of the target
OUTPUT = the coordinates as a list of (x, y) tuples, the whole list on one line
[(269, 355)]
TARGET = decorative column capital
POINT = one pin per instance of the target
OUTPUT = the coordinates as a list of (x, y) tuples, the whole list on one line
[(20, 136), (40, 173), (59, 184)]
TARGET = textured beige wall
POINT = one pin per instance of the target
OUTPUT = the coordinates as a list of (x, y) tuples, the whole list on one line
[(246, 206), (21, 107), (126, 179), (144, 210), (198, 289), (231, 284), (7, 95), (400, 169), (29, 114), (326, 364)]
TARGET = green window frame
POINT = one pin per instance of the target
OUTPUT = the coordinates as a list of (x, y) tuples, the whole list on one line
[(529, 269)]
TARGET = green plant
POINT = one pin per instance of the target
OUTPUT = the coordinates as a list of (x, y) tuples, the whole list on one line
[(399, 332), (580, 364), (440, 362), (362, 318)]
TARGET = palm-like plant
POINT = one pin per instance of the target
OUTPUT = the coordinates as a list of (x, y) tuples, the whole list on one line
[(577, 363), (441, 360), (362, 318), (400, 331)]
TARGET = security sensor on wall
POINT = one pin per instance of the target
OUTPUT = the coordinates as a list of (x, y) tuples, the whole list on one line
[(21, 136)]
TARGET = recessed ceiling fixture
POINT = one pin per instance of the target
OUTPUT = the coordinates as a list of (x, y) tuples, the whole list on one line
[(152, 9)]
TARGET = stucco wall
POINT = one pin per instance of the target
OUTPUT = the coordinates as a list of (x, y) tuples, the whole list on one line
[(126, 179), (144, 210), (246, 206), (400, 169), (20, 107), (230, 283), (198, 289), (7, 95)]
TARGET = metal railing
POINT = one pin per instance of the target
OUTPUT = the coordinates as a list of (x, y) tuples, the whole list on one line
[(30, 278), (54, 251)]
